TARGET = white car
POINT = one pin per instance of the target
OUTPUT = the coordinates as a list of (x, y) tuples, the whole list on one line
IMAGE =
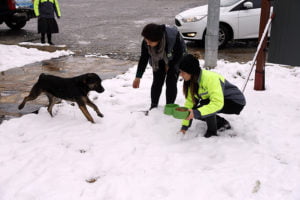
[(239, 19)]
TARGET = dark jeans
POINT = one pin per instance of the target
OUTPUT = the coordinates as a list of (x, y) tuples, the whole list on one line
[(159, 77), (230, 107), (215, 122)]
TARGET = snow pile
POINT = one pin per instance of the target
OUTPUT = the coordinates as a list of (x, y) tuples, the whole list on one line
[(127, 155), (16, 56)]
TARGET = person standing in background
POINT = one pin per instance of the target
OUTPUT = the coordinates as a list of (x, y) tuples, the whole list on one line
[(44, 10)]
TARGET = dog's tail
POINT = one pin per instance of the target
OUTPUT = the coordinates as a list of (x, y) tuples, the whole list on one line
[(42, 75)]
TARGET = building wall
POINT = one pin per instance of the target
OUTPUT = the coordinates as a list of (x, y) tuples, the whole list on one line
[(285, 33)]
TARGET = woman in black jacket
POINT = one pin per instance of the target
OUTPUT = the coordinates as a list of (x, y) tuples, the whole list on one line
[(163, 48)]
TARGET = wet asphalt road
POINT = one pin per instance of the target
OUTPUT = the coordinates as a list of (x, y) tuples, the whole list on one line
[(106, 27), (100, 27), (113, 27)]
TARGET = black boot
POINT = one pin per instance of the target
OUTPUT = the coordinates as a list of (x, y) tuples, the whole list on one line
[(43, 38), (49, 39), (211, 123), (210, 133), (222, 124), (153, 106)]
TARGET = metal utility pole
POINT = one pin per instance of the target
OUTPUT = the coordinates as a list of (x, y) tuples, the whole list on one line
[(212, 34), (259, 82)]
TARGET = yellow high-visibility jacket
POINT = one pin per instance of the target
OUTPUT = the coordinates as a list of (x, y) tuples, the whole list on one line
[(46, 8), (215, 88)]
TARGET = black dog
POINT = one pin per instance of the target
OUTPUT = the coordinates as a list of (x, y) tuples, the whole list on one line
[(73, 89)]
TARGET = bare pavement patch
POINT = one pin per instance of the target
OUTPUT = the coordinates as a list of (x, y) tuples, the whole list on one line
[(16, 83)]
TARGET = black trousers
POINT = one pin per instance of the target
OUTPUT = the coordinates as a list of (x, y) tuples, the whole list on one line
[(214, 122), (49, 36), (159, 77)]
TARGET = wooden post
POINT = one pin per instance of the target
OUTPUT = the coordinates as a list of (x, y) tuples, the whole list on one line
[(259, 83)]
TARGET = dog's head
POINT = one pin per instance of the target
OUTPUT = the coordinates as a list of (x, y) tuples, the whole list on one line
[(93, 82)]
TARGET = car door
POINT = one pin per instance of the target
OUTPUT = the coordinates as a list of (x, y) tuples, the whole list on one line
[(249, 19)]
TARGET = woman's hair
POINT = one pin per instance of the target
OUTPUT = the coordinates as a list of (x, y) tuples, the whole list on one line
[(153, 32), (193, 85), (190, 64)]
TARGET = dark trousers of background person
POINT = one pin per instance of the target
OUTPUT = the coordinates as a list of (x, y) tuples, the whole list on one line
[(49, 37), (47, 26), (216, 122), (159, 77)]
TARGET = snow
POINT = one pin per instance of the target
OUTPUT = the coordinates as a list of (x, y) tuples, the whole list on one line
[(9, 53), (127, 155)]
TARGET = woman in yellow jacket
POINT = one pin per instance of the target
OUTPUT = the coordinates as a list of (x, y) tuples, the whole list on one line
[(44, 10), (208, 93)]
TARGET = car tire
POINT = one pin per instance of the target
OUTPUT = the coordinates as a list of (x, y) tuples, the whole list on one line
[(200, 43), (224, 36), (15, 25)]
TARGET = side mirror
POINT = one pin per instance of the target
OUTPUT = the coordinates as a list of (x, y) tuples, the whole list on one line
[(248, 5)]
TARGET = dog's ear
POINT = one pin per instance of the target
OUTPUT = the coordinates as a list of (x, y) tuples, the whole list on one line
[(84, 80), (87, 78), (92, 78)]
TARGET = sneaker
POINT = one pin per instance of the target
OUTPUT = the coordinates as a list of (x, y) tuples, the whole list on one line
[(51, 43), (43, 41)]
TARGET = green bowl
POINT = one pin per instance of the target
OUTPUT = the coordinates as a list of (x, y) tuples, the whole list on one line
[(181, 113), (169, 108)]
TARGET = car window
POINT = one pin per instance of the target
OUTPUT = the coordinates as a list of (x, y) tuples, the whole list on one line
[(256, 4), (225, 3)]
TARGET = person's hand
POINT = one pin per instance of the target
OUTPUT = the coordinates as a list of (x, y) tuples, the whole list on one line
[(136, 83), (191, 115), (166, 68)]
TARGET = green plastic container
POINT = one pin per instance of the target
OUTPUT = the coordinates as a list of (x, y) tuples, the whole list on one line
[(181, 113), (169, 108)]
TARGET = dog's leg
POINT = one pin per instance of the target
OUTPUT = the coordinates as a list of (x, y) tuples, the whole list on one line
[(34, 93), (92, 105), (85, 111), (51, 103)]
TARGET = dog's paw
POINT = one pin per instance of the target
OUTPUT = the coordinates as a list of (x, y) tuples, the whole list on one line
[(100, 115), (20, 106)]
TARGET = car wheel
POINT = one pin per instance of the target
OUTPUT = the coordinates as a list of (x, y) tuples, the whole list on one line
[(15, 25), (223, 36)]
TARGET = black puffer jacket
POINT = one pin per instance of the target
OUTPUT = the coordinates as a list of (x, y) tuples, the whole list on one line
[(175, 49)]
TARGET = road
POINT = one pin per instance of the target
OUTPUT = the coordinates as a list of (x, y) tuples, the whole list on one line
[(100, 27), (106, 27), (113, 28)]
